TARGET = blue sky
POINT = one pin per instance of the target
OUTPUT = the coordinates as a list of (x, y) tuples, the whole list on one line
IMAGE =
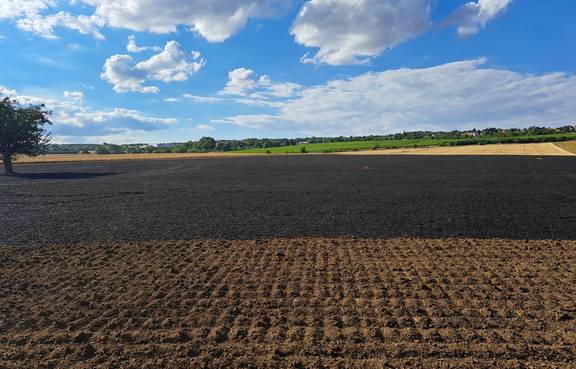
[(283, 68)]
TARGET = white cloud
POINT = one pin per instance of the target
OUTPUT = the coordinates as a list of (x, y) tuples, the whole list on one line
[(74, 95), (124, 120), (471, 17), (130, 138), (244, 82), (239, 81), (206, 128), (352, 31), (215, 20), (4, 91), (457, 95), (202, 99), (171, 65), (29, 18), (134, 48), (120, 71), (72, 118), (44, 25), (20, 8), (194, 98)]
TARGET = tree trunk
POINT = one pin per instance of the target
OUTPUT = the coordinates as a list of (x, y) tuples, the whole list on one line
[(8, 167)]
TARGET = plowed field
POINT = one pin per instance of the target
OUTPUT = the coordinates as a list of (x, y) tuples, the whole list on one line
[(291, 303), (292, 262)]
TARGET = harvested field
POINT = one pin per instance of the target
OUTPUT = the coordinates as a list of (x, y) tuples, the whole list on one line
[(568, 146), (539, 149), (318, 261), (66, 158), (533, 149), (319, 303)]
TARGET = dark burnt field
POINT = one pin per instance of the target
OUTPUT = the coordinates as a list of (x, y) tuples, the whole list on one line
[(290, 262), (292, 196)]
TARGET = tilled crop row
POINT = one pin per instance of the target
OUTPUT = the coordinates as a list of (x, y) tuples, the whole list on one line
[(303, 302)]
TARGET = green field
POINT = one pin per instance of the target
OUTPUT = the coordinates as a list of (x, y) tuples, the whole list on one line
[(394, 144)]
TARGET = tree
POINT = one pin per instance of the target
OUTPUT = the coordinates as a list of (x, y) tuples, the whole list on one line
[(22, 131), (206, 144), (103, 151)]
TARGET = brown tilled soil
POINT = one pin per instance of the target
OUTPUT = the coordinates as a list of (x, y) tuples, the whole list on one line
[(290, 303), (363, 262)]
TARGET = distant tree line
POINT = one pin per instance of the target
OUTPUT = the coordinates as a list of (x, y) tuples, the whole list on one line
[(96, 148), (207, 144)]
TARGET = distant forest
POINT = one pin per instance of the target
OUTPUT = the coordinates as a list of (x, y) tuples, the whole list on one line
[(207, 144)]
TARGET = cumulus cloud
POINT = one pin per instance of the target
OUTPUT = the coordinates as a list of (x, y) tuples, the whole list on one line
[(171, 65), (120, 71), (471, 17), (132, 47), (239, 81), (20, 8), (6, 92), (245, 82), (44, 25), (343, 31), (215, 20), (29, 18), (352, 31), (457, 95), (72, 118)]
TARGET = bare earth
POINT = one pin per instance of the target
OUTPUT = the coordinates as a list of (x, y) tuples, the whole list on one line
[(532, 149), (290, 303), (294, 261)]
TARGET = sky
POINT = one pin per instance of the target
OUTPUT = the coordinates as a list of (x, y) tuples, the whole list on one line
[(148, 71)]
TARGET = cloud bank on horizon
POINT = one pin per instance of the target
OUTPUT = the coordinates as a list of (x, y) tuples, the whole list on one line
[(143, 70)]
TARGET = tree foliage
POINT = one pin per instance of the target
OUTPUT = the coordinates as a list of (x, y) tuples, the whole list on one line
[(469, 137), (22, 130), (206, 144)]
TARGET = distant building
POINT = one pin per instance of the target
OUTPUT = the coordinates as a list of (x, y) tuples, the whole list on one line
[(471, 134)]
